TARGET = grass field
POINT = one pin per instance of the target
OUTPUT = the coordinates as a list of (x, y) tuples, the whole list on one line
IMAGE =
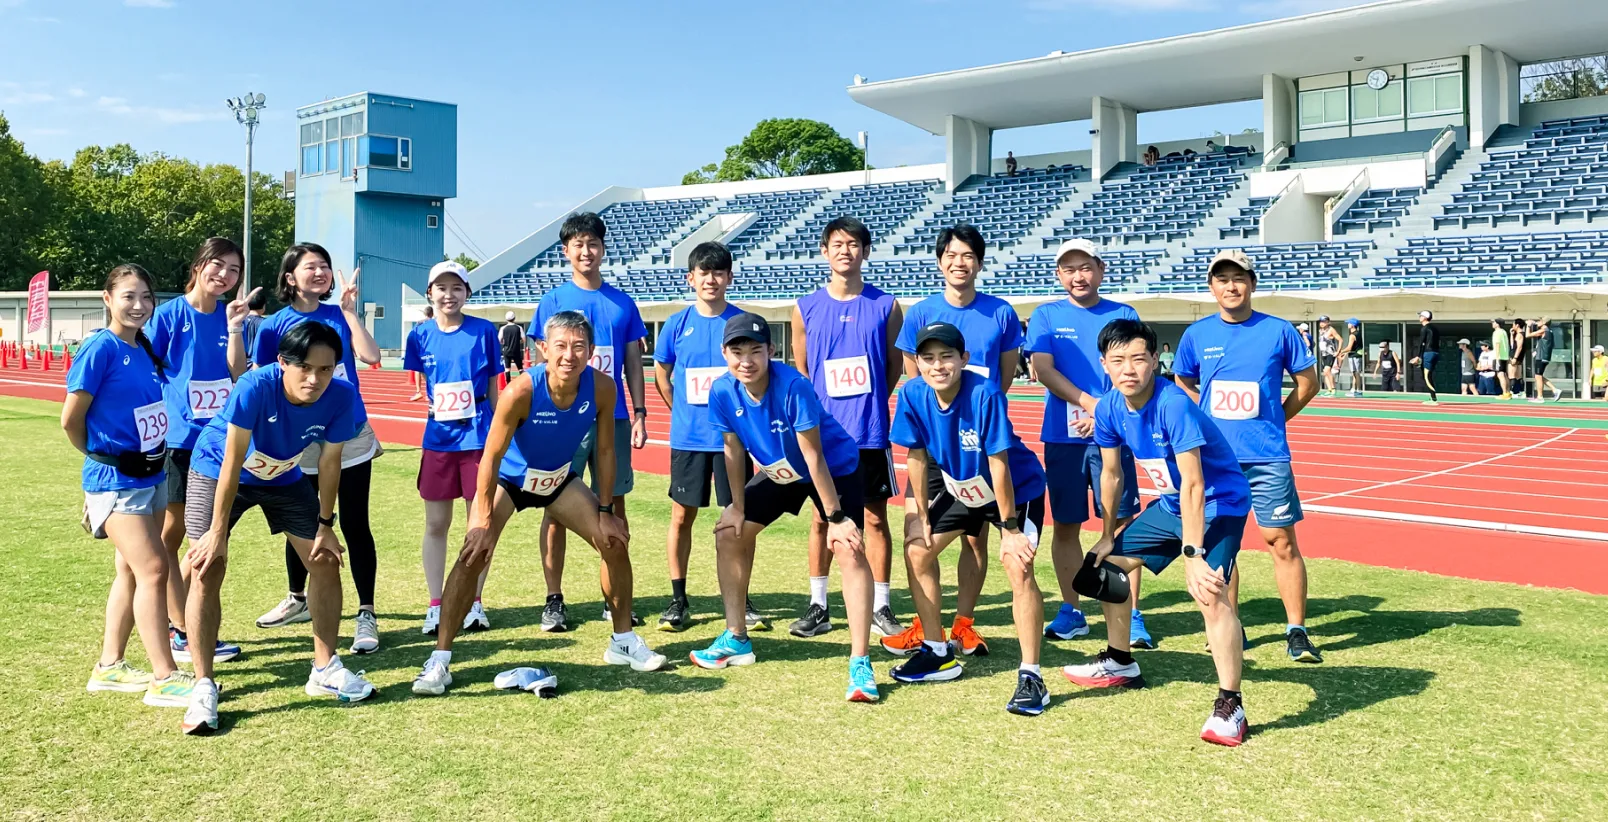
[(1439, 699)]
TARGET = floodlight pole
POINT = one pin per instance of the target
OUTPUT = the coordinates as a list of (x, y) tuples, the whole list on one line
[(245, 110)]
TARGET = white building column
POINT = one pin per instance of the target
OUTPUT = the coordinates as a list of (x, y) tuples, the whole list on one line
[(1278, 111), (1493, 93), (1114, 137), (968, 150)]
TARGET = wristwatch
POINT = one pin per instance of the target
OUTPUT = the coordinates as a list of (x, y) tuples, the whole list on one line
[(1193, 551), (606, 509), (330, 522), (837, 517), (639, 410), (1011, 524)]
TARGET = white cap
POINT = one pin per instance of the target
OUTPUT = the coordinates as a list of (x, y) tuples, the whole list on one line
[(446, 267), (1303, 326), (1463, 341), (1596, 349), (1424, 315), (1077, 245), (509, 316)]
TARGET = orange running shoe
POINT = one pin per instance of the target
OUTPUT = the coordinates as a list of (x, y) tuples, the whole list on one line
[(905, 642), (964, 638)]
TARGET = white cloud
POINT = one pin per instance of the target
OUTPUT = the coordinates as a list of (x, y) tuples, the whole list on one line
[(19, 98), (149, 4), (161, 114)]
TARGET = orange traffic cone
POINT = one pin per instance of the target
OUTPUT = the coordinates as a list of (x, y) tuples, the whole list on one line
[(66, 358)]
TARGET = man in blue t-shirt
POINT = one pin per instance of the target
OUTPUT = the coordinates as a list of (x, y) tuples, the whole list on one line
[(957, 426), (686, 362), (1233, 364), (617, 352), (1061, 341), (1200, 515), (768, 411)]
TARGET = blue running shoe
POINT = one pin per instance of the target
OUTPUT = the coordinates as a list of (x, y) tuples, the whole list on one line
[(727, 649), (1068, 624), (862, 680), (1138, 637), (221, 652)]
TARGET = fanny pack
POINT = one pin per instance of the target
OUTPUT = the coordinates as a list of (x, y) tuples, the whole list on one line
[(135, 464), (430, 412)]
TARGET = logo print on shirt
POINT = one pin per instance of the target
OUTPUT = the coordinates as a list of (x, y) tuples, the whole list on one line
[(125, 359), (778, 427), (584, 405), (968, 440), (688, 332), (848, 318), (186, 327), (273, 418)]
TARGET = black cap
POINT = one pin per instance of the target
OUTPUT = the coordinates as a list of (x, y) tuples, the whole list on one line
[(941, 332), (1105, 582), (746, 326)]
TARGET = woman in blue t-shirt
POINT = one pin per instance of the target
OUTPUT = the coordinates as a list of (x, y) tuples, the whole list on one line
[(306, 278), (115, 416)]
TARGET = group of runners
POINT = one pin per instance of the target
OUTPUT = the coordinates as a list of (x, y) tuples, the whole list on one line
[(184, 430)]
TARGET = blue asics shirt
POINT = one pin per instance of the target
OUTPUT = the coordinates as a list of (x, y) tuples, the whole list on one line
[(848, 359), (1070, 333), (769, 428), (280, 429), (1241, 368), (1170, 422), (458, 368), (127, 412), (690, 344), (959, 439), (266, 348), (988, 324), (195, 349), (539, 457), (616, 323)]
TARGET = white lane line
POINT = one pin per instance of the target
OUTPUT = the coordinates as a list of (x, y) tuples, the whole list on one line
[(1453, 469), (1486, 525)]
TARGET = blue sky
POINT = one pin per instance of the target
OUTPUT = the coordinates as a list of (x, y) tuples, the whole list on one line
[(556, 100)]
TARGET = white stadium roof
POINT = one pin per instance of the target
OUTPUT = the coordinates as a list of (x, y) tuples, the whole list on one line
[(1227, 65)]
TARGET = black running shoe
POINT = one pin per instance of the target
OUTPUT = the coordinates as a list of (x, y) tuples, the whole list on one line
[(1031, 697), (884, 623), (555, 617), (674, 617), (926, 666), (755, 620), (816, 620), (1300, 648)]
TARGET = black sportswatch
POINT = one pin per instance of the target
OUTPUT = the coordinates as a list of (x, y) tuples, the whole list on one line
[(1011, 524), (639, 410), (1193, 551), (330, 522), (837, 517), (606, 509)]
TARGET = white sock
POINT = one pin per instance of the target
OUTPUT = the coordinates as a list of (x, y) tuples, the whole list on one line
[(880, 598), (334, 662), (939, 648), (624, 638), (443, 657), (1032, 669), (818, 591)]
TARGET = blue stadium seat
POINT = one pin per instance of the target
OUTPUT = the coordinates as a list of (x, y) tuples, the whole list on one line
[(1003, 207), (1282, 267), (1554, 258)]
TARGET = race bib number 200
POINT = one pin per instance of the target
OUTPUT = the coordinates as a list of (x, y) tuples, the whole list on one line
[(1236, 399)]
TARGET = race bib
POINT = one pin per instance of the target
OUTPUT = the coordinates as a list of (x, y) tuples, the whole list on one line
[(454, 401), (781, 471), (973, 493), (603, 359), (1236, 400), (848, 376), (340, 372), (264, 467), (543, 482), (979, 370), (1074, 413), (699, 381), (151, 421), (207, 397), (1160, 477), (1387, 365)]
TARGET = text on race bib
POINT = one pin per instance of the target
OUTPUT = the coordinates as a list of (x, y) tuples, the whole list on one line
[(1236, 400), (603, 359), (1160, 476), (264, 467), (454, 401), (979, 370), (1387, 365), (848, 376), (340, 372), (151, 421), (973, 493), (781, 472), (1074, 414), (208, 397), (699, 381), (544, 482)]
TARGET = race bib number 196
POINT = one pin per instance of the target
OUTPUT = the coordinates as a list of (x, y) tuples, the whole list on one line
[(1160, 477), (544, 482), (1236, 400)]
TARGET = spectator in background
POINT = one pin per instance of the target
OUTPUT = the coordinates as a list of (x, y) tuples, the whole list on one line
[(1306, 336), (256, 309), (418, 377), (1501, 348), (1211, 147), (1388, 368), (1010, 164), (1428, 352), (1467, 368), (1517, 345), (1189, 152), (1351, 355), (1541, 332), (511, 338), (1328, 347), (1152, 156), (1486, 370), (1599, 372), (1166, 358)]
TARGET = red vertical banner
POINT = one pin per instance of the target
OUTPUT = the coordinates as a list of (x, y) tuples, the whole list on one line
[(38, 301)]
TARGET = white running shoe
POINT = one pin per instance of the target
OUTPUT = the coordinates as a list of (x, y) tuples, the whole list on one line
[(432, 619), (433, 680), (633, 652), (289, 610), (539, 681), (366, 639), (335, 681), (476, 619), (202, 714), (1105, 672), (1226, 725)]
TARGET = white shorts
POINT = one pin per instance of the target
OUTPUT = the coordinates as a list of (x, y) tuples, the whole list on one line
[(99, 506), (359, 449)]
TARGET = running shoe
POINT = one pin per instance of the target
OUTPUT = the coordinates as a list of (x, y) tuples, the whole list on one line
[(675, 616), (366, 638), (884, 623), (965, 639), (171, 692), (221, 651), (1226, 725), (118, 677), (201, 714), (555, 617), (755, 620), (905, 642), (1557, 394), (726, 650), (927, 666), (1299, 646), (539, 681), (1032, 695), (433, 680), (432, 620), (1138, 637), (634, 652), (290, 610), (1437, 402), (476, 619), (336, 681), (1069, 623), (862, 681), (608, 616), (816, 620), (1537, 400), (1105, 672)]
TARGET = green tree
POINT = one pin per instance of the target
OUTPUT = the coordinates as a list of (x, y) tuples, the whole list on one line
[(1565, 79), (783, 148), (26, 203), (469, 263)]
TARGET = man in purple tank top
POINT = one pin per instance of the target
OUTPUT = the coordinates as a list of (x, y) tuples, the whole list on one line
[(843, 340)]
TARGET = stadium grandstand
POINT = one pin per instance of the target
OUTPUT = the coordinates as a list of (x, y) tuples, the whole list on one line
[(1401, 165)]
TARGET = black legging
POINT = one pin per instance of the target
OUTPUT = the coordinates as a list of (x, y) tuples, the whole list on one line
[(353, 508)]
